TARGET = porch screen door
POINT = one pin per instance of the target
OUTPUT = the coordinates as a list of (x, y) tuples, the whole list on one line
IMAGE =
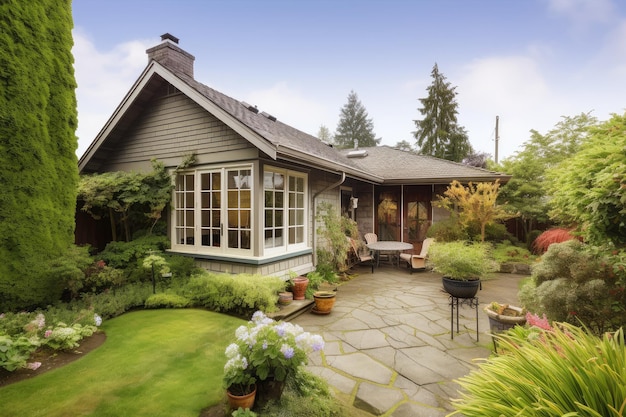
[(416, 216)]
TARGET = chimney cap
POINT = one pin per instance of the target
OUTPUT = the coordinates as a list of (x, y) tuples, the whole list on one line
[(169, 37)]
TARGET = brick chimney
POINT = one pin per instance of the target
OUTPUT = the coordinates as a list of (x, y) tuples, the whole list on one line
[(169, 54)]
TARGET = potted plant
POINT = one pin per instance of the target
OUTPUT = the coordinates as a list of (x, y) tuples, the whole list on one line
[(239, 380), (271, 351), (462, 265), (502, 317), (298, 285)]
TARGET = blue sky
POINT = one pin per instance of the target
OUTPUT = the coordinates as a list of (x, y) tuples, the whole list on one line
[(530, 62)]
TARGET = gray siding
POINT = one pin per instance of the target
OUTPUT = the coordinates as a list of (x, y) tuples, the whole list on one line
[(173, 127)]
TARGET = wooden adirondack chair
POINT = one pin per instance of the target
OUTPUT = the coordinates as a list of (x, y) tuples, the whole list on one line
[(361, 257), (418, 262)]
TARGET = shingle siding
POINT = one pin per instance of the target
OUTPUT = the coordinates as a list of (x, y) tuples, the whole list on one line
[(172, 127)]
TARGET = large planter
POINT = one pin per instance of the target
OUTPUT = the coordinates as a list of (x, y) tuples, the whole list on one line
[(500, 322), (461, 289), (324, 301), (299, 287), (243, 401), (270, 389)]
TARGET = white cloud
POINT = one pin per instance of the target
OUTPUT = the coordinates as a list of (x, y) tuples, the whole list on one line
[(290, 107), (583, 13), (103, 78), (512, 88)]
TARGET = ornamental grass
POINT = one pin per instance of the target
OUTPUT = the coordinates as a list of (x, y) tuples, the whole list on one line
[(560, 371)]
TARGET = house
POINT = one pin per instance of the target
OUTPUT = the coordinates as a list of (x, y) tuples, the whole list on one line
[(248, 204)]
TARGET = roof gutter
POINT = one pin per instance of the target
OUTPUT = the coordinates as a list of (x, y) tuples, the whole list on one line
[(336, 184)]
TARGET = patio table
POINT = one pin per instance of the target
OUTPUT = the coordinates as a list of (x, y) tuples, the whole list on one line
[(390, 246)]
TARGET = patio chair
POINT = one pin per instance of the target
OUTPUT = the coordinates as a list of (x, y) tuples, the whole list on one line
[(361, 257), (371, 238), (417, 262)]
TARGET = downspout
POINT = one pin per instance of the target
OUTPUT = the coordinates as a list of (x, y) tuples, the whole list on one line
[(337, 184)]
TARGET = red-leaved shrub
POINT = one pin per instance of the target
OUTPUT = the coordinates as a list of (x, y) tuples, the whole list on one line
[(555, 235)]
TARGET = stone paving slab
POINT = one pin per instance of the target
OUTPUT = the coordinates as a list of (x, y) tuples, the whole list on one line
[(388, 341)]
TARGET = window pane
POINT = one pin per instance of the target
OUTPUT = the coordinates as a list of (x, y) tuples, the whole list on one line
[(245, 197), (206, 219), (269, 199), (245, 239), (233, 239), (279, 219), (206, 200), (216, 181), (233, 220), (189, 197), (189, 182), (279, 198)]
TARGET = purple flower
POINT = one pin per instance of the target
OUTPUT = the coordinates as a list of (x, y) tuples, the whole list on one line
[(287, 351), (48, 333), (317, 342), (280, 329)]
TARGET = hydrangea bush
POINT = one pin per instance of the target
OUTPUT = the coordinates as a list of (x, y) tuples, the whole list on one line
[(264, 349), (23, 333)]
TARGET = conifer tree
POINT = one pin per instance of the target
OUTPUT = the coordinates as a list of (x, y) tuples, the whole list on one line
[(38, 168), (438, 133), (355, 129)]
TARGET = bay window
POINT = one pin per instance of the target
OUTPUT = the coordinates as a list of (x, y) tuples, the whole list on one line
[(214, 212)]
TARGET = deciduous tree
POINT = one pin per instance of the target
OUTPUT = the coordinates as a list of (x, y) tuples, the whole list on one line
[(475, 203), (324, 134), (526, 192), (589, 189)]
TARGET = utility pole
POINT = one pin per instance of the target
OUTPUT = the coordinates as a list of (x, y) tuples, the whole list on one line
[(497, 137)]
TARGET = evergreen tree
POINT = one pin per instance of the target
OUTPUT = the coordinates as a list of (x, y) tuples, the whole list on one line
[(438, 133), (354, 128), (39, 171)]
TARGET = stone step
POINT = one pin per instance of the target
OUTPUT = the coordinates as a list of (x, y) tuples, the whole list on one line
[(292, 310)]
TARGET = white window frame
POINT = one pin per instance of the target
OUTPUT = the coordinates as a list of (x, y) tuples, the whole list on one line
[(223, 249), (300, 196)]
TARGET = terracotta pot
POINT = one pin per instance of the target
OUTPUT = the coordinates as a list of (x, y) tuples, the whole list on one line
[(324, 301), (243, 401), (285, 298), (299, 287)]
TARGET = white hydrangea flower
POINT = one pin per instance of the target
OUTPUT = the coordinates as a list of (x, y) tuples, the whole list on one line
[(232, 350)]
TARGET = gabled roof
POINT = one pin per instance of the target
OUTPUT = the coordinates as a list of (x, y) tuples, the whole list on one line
[(272, 137), (395, 166)]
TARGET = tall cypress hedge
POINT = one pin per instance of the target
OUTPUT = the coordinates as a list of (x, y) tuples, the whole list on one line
[(38, 164)]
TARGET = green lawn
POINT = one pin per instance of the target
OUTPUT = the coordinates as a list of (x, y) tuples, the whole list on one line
[(153, 363)]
